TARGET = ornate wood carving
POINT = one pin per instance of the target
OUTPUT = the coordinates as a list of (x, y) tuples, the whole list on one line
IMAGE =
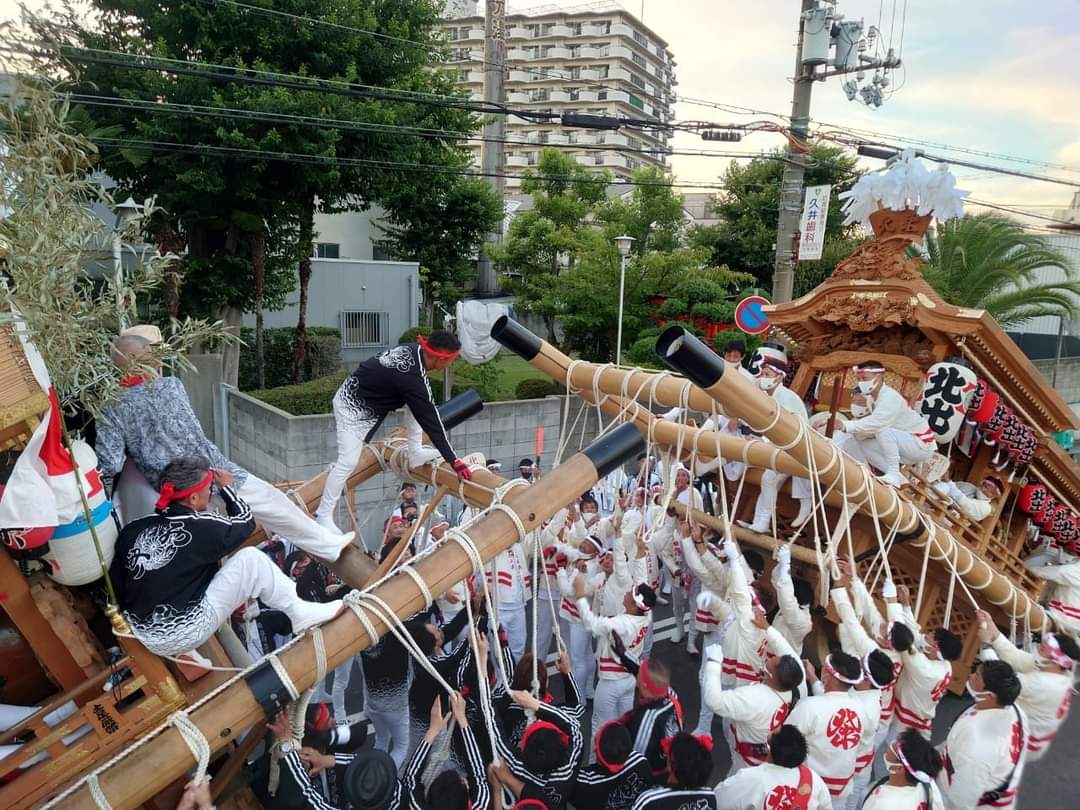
[(865, 312)]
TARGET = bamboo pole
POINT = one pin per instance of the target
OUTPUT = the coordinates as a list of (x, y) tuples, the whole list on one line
[(151, 767), (762, 541), (682, 351), (616, 388)]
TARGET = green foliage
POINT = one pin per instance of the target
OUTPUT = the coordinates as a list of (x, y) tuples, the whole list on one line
[(744, 239), (306, 399), (673, 308), (322, 355), (538, 389), (552, 234), (70, 308), (987, 261), (721, 338), (410, 335), (213, 201), (714, 311), (441, 226)]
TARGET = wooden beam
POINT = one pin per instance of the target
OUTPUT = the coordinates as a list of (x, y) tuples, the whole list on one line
[(146, 770)]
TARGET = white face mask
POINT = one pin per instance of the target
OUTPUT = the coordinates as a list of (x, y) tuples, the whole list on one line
[(975, 693), (867, 386), (859, 411), (766, 382)]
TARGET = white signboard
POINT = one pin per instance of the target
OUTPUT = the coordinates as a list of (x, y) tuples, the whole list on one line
[(812, 225)]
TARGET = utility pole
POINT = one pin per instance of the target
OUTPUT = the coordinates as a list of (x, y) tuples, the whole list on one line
[(808, 56), (791, 188), (492, 151)]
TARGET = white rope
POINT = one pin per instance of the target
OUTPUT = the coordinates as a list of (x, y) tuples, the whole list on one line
[(96, 793), (196, 741), (422, 586), (283, 676)]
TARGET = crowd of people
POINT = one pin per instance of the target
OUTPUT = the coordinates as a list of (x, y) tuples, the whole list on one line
[(611, 732)]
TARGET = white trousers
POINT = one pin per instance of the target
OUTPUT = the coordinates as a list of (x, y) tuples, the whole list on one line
[(679, 607), (614, 698), (691, 598), (350, 433), (391, 724), (512, 620), (705, 716), (249, 574), (279, 514), (582, 658), (771, 482), (888, 449)]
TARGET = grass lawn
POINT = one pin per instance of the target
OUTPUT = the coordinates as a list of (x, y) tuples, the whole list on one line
[(512, 370)]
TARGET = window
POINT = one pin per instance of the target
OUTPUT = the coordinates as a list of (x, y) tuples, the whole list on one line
[(602, 26), (575, 73), (637, 81), (575, 29), (538, 95), (362, 329), (327, 250), (601, 95), (636, 102), (459, 55), (543, 136), (380, 254), (641, 39), (638, 60), (574, 95), (463, 75), (530, 158), (575, 51), (602, 71)]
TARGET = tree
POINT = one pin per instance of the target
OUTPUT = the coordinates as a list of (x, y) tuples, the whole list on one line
[(547, 239), (441, 226), (660, 265), (745, 238), (220, 199), (987, 261)]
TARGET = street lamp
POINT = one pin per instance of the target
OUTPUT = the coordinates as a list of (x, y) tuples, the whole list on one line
[(125, 212), (623, 243)]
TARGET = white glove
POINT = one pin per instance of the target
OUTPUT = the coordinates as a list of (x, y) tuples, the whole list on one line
[(783, 556), (888, 589), (731, 551), (714, 652), (705, 599)]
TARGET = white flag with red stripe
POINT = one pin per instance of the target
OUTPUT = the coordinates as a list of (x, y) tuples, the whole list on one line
[(41, 490)]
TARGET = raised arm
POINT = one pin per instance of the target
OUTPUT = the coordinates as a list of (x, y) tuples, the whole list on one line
[(417, 395)]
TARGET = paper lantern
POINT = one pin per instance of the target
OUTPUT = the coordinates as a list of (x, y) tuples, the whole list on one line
[(1031, 498), (947, 390), (1050, 516), (1049, 504), (982, 403)]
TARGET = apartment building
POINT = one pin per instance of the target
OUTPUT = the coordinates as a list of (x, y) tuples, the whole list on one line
[(595, 58)]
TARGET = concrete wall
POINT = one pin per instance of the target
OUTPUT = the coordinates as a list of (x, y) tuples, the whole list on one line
[(279, 447), (352, 231), (1068, 378), (350, 284)]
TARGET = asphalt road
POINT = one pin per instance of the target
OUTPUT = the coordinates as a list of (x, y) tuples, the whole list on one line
[(1046, 784)]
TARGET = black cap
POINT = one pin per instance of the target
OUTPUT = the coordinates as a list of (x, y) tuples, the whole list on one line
[(370, 780)]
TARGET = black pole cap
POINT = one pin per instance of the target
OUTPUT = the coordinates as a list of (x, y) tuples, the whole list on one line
[(457, 409), (684, 353), (516, 337), (615, 448)]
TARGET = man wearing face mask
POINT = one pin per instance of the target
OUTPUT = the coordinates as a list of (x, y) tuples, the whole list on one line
[(984, 754), (1046, 679), (773, 370), (913, 764), (974, 503), (892, 433)]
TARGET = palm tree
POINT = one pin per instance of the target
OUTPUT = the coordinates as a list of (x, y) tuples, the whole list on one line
[(987, 261)]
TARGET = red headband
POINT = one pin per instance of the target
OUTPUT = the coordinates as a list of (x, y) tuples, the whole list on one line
[(522, 804), (169, 493), (650, 687), (438, 354), (543, 725), (613, 767)]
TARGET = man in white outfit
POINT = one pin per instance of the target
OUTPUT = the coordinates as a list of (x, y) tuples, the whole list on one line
[(892, 434), (1046, 678), (773, 371), (984, 754), (784, 781)]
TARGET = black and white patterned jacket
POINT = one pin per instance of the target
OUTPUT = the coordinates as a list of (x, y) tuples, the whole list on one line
[(386, 382)]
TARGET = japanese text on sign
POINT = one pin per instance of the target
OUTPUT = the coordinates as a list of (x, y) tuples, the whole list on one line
[(812, 227)]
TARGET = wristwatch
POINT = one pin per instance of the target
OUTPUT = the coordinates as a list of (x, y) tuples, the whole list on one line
[(288, 746)]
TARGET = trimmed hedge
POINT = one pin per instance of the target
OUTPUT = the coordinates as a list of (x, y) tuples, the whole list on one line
[(409, 335), (538, 389), (307, 399), (321, 357)]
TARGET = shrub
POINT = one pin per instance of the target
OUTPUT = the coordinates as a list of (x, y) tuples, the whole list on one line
[(673, 308), (409, 335), (538, 389), (721, 338), (715, 312), (309, 398), (322, 355)]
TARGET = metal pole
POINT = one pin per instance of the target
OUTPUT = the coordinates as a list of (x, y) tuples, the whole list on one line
[(791, 190), (622, 285), (492, 152), (1057, 358)]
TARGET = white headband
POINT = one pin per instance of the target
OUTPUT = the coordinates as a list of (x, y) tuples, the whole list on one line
[(918, 776), (868, 369), (639, 600), (869, 674), (842, 678)]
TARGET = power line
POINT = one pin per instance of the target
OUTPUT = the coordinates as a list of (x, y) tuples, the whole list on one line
[(155, 107)]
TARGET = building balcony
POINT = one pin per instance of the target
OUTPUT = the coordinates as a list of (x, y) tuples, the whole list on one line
[(520, 76), (476, 33), (517, 55), (518, 32), (559, 96), (517, 161), (475, 77), (560, 31), (592, 52), (556, 52), (517, 97), (590, 75)]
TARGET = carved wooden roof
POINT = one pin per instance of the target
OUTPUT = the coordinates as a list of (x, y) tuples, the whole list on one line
[(878, 301)]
